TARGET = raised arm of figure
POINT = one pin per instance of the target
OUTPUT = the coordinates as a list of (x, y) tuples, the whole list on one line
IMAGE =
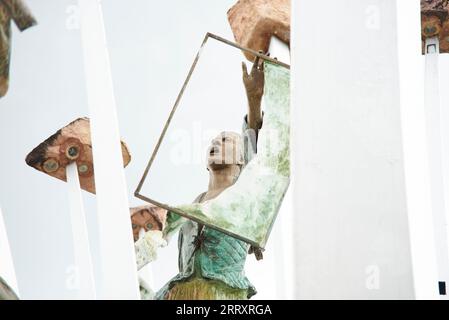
[(254, 86)]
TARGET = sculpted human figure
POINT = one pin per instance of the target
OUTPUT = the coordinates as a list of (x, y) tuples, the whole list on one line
[(147, 222), (211, 263)]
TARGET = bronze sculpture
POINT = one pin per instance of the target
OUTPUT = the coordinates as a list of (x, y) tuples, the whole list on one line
[(211, 263), (147, 223)]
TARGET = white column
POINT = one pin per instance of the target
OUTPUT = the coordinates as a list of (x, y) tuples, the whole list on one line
[(350, 213), (7, 271), (118, 262), (416, 162), (283, 240), (436, 164), (83, 260)]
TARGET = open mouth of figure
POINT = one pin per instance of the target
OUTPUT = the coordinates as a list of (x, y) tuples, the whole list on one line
[(213, 151)]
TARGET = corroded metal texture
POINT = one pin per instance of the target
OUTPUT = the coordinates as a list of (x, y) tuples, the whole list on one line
[(69, 144), (254, 22), (147, 217), (435, 22)]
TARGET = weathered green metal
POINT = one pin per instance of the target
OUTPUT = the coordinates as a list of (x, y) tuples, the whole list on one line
[(249, 207)]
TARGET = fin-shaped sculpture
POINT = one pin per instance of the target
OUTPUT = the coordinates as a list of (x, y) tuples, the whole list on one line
[(69, 144)]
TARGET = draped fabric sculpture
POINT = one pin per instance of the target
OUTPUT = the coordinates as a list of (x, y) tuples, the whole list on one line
[(17, 11)]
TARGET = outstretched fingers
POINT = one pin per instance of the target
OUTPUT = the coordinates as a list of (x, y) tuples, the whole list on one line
[(244, 70), (256, 64)]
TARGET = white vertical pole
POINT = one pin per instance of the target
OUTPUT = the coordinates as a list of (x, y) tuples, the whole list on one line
[(435, 148), (416, 162), (118, 262), (6, 264), (83, 259), (283, 242), (351, 229)]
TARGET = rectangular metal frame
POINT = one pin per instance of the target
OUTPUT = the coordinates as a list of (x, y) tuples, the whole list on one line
[(137, 193)]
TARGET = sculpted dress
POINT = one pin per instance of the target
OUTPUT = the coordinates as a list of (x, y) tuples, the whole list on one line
[(211, 263)]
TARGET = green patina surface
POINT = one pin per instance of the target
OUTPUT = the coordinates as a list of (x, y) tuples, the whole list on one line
[(249, 207)]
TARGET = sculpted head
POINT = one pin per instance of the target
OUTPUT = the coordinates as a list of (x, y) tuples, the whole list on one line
[(225, 150), (146, 218)]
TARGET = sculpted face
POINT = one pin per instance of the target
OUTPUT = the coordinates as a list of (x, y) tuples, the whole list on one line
[(225, 149), (147, 218)]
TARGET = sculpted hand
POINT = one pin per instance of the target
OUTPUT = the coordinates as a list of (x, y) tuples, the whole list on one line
[(254, 82), (254, 85)]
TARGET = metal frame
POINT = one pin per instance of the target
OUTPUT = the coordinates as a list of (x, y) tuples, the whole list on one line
[(164, 130)]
